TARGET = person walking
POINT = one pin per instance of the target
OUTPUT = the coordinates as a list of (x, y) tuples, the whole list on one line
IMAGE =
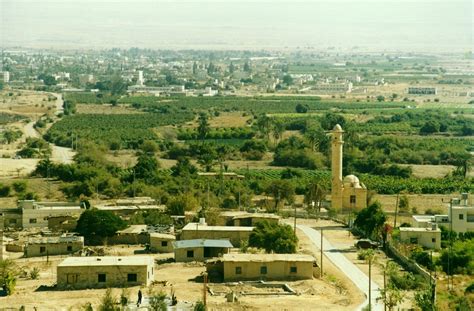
[(139, 301)]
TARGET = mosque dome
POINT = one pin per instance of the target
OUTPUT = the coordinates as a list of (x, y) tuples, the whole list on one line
[(352, 181), (337, 128)]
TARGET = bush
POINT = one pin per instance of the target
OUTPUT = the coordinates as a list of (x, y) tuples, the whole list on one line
[(34, 274), (20, 186), (423, 258), (461, 259), (4, 190)]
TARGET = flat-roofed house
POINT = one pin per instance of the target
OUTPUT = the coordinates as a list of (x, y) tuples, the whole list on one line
[(108, 271), (426, 237), (239, 267), (200, 249), (161, 242), (49, 246), (235, 234), (32, 214)]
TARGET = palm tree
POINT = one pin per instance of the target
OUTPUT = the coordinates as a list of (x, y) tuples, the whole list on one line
[(278, 128), (316, 193)]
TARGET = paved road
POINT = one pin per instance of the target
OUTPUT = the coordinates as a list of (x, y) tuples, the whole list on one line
[(346, 266)]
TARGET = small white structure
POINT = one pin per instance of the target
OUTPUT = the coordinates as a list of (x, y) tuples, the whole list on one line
[(426, 237), (140, 80), (6, 76)]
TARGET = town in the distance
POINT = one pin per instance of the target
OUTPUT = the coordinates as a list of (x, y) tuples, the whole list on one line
[(300, 179)]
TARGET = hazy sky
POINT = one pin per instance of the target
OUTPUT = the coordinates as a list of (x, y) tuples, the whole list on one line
[(430, 25)]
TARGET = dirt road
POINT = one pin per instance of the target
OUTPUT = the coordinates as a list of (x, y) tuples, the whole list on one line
[(59, 154)]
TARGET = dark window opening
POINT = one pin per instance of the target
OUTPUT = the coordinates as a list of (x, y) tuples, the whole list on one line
[(131, 277), (353, 199), (263, 270), (164, 243), (42, 249), (238, 270), (190, 254), (293, 269), (101, 278)]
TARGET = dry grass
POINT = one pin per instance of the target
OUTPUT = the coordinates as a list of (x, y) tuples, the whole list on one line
[(229, 119)]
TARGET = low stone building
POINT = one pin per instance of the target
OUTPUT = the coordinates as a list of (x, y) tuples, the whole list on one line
[(251, 219), (162, 242), (235, 234), (101, 272), (49, 246), (200, 249), (426, 237), (237, 267), (134, 235)]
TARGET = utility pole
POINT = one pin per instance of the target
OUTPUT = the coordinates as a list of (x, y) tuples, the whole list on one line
[(385, 289), (204, 290), (321, 264), (370, 281), (396, 211), (294, 228), (450, 286)]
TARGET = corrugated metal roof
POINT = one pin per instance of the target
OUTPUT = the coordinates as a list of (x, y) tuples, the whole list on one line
[(202, 243)]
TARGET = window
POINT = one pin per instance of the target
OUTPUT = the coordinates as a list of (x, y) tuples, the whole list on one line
[(69, 248), (461, 216), (42, 249), (190, 254), (293, 270), (164, 243), (263, 270), (352, 199), (32, 220), (238, 270), (433, 240), (72, 278), (101, 278), (414, 240), (131, 277)]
